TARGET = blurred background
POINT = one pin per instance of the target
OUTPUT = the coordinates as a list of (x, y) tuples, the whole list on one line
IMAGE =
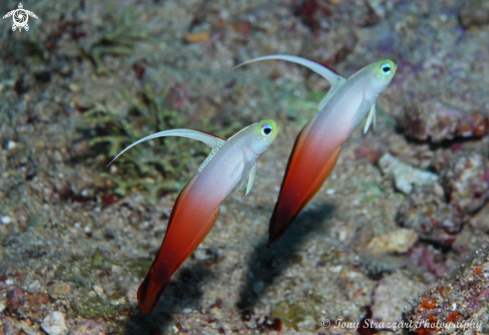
[(384, 239)]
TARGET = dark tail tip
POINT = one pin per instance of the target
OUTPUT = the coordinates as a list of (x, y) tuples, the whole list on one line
[(150, 292), (278, 227)]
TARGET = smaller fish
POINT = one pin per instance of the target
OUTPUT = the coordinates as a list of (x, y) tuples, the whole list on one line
[(196, 209)]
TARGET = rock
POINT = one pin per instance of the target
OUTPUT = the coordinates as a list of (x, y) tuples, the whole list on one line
[(398, 241), (54, 324), (405, 176), (462, 297), (8, 325), (426, 212), (11, 145), (15, 299), (90, 328), (60, 290), (475, 13), (435, 121), (6, 220), (438, 214), (481, 221), (99, 290), (29, 328), (470, 238), (392, 295), (378, 265), (197, 37), (466, 180), (441, 91), (432, 261)]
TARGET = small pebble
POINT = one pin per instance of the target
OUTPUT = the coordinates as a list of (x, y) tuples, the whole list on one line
[(10, 145), (60, 290), (398, 241), (405, 176), (6, 220), (99, 290), (54, 324)]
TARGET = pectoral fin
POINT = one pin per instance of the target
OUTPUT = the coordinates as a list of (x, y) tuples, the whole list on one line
[(248, 178), (211, 140), (371, 117), (332, 91), (251, 179)]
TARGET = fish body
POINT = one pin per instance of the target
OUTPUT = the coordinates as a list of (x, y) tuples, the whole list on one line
[(197, 206), (318, 145)]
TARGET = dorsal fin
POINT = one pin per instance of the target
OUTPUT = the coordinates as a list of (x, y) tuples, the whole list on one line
[(211, 140), (334, 79), (332, 91)]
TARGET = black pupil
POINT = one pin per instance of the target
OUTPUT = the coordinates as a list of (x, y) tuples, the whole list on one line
[(386, 69), (267, 131)]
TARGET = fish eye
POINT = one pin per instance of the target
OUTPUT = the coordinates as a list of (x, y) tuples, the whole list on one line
[(266, 130), (386, 68)]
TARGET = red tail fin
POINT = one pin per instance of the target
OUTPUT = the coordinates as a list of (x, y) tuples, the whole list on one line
[(307, 170), (186, 230)]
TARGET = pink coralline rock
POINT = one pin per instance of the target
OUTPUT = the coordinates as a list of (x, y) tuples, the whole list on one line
[(466, 181), (432, 261), (426, 212), (435, 121), (461, 298), (438, 216)]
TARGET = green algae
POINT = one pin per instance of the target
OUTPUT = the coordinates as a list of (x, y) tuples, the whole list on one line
[(370, 191), (290, 314), (117, 37), (142, 166), (302, 109), (94, 306), (160, 166), (138, 267), (79, 269)]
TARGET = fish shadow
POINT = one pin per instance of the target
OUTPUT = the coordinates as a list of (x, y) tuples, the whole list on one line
[(265, 264), (184, 292)]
